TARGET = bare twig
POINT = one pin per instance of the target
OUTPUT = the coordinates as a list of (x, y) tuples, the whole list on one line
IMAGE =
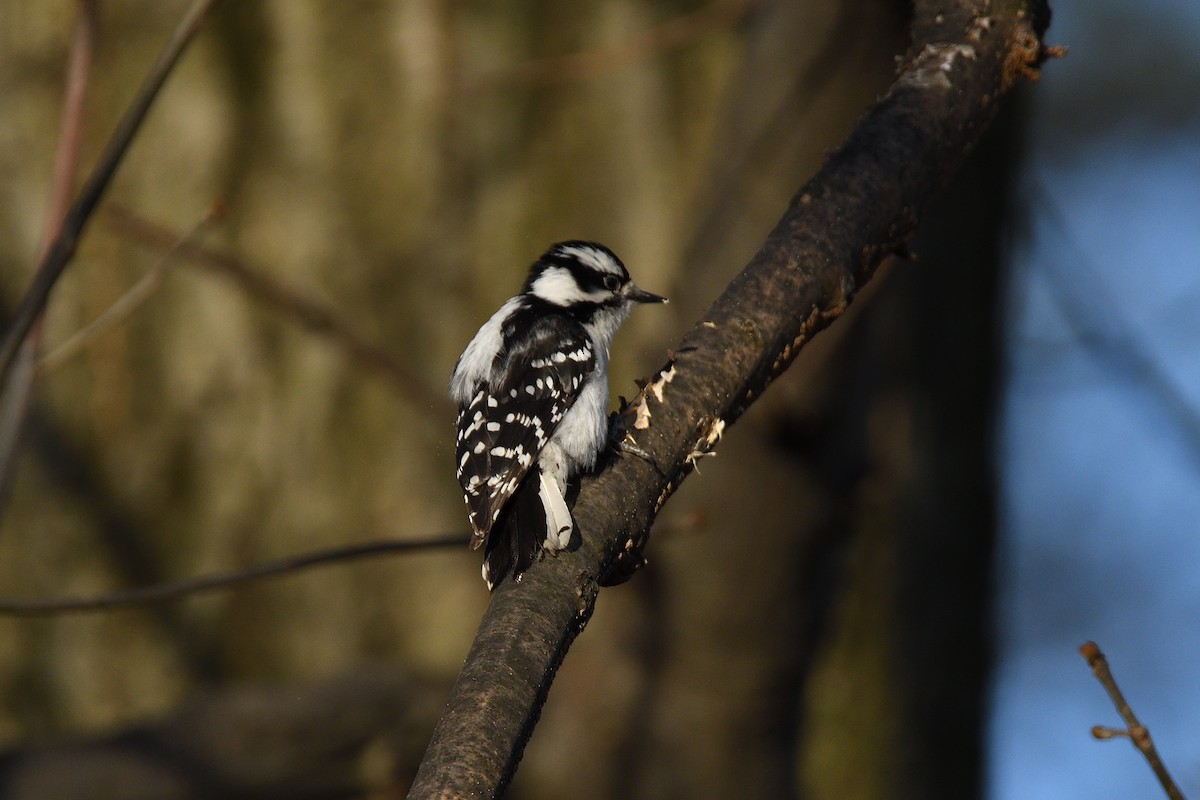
[(308, 314), (18, 383), (59, 254), (24, 607), (29, 607), (1135, 730), (123, 306)]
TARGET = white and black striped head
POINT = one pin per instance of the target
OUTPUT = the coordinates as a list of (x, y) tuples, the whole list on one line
[(584, 275)]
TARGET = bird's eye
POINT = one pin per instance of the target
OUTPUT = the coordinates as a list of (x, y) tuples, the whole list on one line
[(612, 283)]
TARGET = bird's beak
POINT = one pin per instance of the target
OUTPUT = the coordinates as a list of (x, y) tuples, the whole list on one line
[(632, 292)]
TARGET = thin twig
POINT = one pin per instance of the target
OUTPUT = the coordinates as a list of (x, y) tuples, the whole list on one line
[(58, 255), (29, 607), (1135, 730), (18, 383), (308, 314), (123, 306), (70, 129), (32, 607)]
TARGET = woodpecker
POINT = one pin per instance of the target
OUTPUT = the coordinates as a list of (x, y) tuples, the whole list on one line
[(532, 396)]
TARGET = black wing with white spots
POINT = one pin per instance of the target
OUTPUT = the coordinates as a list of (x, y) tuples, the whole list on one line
[(508, 420)]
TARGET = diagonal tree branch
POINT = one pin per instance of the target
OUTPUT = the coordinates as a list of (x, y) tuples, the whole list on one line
[(18, 386), (858, 210), (60, 251), (307, 313)]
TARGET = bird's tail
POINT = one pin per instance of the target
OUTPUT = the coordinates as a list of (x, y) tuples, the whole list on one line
[(535, 517)]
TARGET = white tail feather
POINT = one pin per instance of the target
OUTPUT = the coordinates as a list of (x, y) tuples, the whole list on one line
[(558, 517)]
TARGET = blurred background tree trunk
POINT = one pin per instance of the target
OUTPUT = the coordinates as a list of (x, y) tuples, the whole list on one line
[(913, 622)]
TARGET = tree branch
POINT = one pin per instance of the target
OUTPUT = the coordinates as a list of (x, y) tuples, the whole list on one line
[(1135, 730), (124, 306), (60, 251), (18, 384), (308, 314), (162, 592), (858, 210)]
